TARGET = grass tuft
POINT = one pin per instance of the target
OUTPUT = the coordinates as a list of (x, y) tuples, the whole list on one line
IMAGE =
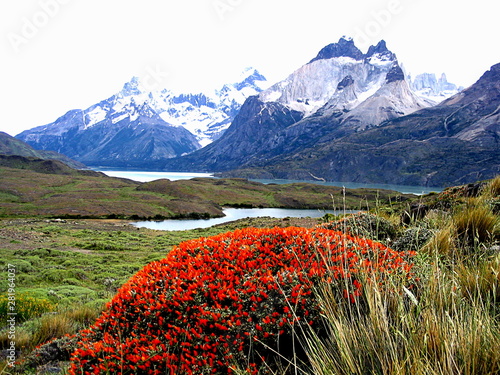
[(493, 188), (53, 326), (475, 224)]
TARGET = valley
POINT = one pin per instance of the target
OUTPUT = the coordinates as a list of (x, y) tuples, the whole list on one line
[(56, 191)]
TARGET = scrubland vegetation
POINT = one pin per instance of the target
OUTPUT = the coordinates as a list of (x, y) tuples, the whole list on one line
[(406, 288)]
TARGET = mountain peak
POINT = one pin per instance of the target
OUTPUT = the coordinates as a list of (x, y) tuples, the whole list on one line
[(132, 87), (250, 77), (343, 48), (428, 86), (494, 69), (380, 53), (250, 72), (381, 47)]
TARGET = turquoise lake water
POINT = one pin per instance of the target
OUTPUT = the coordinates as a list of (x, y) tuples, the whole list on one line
[(145, 176), (232, 214)]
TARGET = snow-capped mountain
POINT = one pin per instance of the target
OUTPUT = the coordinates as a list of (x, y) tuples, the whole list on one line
[(206, 114), (341, 91), (426, 85), (452, 143), (107, 138), (323, 80), (136, 125)]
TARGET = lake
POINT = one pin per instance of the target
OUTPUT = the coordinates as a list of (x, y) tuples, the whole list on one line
[(241, 213), (145, 176), (142, 176), (231, 215)]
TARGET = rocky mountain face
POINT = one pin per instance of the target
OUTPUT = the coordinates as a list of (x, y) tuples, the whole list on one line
[(455, 142), (340, 92), (348, 116), (136, 127), (10, 146), (426, 85)]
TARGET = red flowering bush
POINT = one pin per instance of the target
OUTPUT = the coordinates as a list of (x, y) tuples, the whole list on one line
[(230, 299)]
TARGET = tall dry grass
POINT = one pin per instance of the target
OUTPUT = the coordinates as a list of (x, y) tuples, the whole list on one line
[(448, 324), (397, 331)]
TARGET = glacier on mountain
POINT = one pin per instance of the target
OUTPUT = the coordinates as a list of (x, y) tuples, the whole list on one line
[(206, 115)]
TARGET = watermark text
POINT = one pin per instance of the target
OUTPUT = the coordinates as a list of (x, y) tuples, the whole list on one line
[(31, 26), (11, 315), (223, 7)]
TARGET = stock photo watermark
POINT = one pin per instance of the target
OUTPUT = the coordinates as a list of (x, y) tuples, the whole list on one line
[(379, 20), (32, 25), (153, 78), (223, 7), (11, 315)]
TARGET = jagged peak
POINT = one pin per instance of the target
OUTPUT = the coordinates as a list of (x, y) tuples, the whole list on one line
[(249, 77), (251, 72), (132, 87), (343, 48), (381, 53), (381, 47)]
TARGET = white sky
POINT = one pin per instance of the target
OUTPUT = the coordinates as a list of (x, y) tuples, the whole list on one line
[(58, 55)]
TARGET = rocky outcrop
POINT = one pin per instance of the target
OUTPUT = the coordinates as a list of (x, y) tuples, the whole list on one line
[(453, 143), (340, 92)]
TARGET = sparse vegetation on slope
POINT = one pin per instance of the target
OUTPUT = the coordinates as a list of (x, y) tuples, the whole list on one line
[(69, 193)]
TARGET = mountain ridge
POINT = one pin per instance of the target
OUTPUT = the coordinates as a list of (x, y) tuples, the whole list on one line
[(135, 125), (284, 130), (330, 96), (457, 141), (10, 146), (454, 142)]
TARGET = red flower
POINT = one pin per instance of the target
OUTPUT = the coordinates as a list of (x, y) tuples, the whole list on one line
[(212, 301)]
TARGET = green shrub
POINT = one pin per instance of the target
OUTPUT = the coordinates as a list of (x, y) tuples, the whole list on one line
[(25, 306), (365, 225), (56, 275), (23, 266), (412, 239)]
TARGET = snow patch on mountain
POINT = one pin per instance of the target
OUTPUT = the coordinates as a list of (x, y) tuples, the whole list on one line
[(95, 116), (206, 115), (314, 85), (310, 87)]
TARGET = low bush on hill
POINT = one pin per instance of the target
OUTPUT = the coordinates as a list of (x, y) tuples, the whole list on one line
[(238, 298)]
